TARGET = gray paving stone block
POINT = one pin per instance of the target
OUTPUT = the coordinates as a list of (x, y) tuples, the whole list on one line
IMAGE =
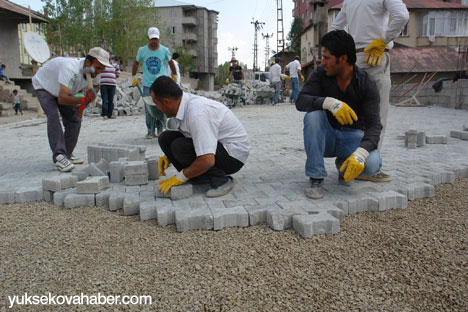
[(68, 181), (465, 126), (7, 197), (361, 203), (97, 154), (146, 196), (90, 150), (461, 172), (165, 211), (181, 191), (134, 155), (327, 208), (411, 138), (59, 197), (194, 219), (153, 173), (158, 194), (315, 224), (229, 217), (436, 139), (148, 210), (48, 196), (116, 171), (390, 200), (80, 174), (131, 205), (456, 134), (281, 219), (92, 185), (103, 165), (102, 198), (93, 170), (439, 176), (135, 167), (136, 179), (29, 194), (53, 184), (116, 201), (257, 214), (132, 189), (421, 139), (74, 200), (420, 190)]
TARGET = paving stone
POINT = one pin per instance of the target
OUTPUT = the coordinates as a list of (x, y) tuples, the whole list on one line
[(194, 219), (7, 197), (103, 165), (229, 217), (59, 197), (327, 208), (461, 172), (29, 194), (134, 155), (148, 210), (136, 179), (80, 174), (68, 181), (74, 200), (420, 190), (158, 194), (390, 200), (257, 214), (135, 167), (116, 171), (102, 198), (456, 134), (315, 224), (465, 126), (181, 191), (132, 189), (53, 184), (411, 138), (91, 157), (153, 173), (436, 139), (49, 196), (165, 211), (131, 205), (421, 139), (281, 219), (146, 196), (361, 203), (92, 185), (93, 170), (116, 201)]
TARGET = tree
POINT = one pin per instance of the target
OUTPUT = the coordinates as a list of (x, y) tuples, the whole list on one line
[(294, 35), (186, 61)]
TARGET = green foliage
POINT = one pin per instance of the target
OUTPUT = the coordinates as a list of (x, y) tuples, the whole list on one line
[(294, 35), (186, 61), (223, 71)]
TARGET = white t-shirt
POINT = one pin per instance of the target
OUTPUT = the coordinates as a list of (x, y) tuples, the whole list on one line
[(169, 72), (275, 73), (64, 71), (208, 122), (293, 67)]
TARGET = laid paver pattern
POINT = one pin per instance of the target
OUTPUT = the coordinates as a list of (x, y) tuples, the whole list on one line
[(270, 187)]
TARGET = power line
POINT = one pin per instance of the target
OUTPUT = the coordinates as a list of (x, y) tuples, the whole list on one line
[(257, 25), (267, 48)]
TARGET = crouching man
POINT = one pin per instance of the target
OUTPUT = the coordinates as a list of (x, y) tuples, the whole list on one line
[(210, 143), (342, 120)]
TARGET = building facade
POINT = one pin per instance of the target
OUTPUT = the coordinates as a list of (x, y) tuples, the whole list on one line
[(195, 29)]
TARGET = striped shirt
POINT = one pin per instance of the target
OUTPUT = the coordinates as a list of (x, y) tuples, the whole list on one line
[(110, 74)]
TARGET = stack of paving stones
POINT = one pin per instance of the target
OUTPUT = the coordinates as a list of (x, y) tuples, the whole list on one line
[(129, 184), (462, 135), (414, 138), (5, 109)]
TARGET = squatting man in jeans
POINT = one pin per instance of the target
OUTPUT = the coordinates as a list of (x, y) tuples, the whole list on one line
[(56, 84), (210, 143), (342, 120)]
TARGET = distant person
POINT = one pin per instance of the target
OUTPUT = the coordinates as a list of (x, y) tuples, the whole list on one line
[(237, 74), (175, 76), (108, 84), (368, 22), (275, 79), (2, 75), (56, 83), (294, 68), (17, 102), (155, 58)]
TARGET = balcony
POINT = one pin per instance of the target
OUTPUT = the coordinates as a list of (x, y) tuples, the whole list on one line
[(192, 52), (189, 21), (188, 36)]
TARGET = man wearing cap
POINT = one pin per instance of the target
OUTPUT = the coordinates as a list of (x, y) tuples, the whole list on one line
[(237, 73), (56, 84), (155, 57)]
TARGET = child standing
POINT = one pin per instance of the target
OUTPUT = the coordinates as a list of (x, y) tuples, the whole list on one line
[(17, 102)]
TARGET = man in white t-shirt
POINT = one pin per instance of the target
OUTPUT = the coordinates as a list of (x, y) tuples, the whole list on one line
[(210, 143), (175, 76), (57, 85), (294, 68), (275, 79)]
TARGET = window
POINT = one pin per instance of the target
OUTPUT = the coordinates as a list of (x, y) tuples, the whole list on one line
[(173, 13), (443, 23)]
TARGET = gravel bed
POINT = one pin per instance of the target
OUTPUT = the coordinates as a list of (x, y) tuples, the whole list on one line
[(398, 260)]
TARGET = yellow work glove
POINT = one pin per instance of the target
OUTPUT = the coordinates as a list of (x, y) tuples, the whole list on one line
[(163, 163), (134, 81), (342, 112), (271, 83), (354, 165), (227, 80), (243, 82), (166, 185), (302, 78), (374, 52), (288, 78), (174, 77)]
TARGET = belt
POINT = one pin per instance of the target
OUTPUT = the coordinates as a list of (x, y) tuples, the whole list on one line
[(362, 50)]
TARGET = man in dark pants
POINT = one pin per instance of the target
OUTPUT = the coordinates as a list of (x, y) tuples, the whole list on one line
[(56, 84), (210, 143)]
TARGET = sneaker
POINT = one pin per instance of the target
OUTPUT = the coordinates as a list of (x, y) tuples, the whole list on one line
[(378, 177), (104, 117), (315, 189), (75, 160), (63, 164), (112, 117), (222, 189), (148, 136)]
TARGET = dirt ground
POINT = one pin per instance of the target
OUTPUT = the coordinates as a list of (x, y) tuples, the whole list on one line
[(400, 260)]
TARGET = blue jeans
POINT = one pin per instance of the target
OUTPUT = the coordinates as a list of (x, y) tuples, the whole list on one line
[(159, 123), (295, 88), (107, 95), (276, 86), (322, 140)]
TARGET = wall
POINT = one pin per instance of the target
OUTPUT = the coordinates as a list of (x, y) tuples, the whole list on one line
[(9, 49), (453, 94)]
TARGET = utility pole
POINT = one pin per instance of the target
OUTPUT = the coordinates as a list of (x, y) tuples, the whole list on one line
[(258, 25), (267, 48), (280, 31), (233, 51)]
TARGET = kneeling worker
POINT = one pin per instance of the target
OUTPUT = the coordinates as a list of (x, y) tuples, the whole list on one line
[(342, 119), (210, 143)]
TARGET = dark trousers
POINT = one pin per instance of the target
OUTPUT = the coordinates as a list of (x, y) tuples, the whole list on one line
[(60, 142), (107, 95), (18, 108), (181, 153)]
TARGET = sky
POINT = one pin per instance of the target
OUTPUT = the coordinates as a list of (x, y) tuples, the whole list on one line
[(234, 25)]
